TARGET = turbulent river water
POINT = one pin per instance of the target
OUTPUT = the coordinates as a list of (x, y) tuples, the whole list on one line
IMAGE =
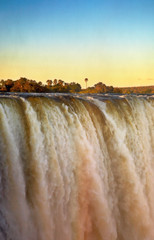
[(76, 167)]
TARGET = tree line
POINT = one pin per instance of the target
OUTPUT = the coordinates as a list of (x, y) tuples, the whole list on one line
[(26, 85)]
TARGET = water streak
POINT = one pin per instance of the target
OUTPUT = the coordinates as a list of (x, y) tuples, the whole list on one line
[(76, 168)]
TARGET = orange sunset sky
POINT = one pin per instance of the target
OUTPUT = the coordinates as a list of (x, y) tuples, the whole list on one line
[(109, 41)]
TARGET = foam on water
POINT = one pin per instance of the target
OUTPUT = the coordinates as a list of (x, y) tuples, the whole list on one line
[(76, 167)]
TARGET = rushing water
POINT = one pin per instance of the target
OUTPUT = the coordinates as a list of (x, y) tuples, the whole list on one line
[(76, 167)]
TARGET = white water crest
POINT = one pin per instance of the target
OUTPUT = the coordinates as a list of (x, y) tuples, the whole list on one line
[(76, 167)]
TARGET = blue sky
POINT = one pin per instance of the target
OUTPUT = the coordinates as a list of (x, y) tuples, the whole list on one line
[(110, 41)]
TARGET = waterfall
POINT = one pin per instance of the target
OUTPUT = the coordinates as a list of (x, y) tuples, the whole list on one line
[(76, 167)]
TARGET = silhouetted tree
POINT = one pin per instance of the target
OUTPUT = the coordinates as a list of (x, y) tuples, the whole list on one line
[(100, 87), (55, 81), (60, 82), (74, 87), (9, 84), (49, 83), (86, 80)]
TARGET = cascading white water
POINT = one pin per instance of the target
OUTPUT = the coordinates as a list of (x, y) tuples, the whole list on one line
[(76, 168)]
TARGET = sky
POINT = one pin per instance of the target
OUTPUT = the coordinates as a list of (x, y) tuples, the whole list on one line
[(109, 41)]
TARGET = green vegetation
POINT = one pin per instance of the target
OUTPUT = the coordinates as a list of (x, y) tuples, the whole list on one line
[(26, 85)]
